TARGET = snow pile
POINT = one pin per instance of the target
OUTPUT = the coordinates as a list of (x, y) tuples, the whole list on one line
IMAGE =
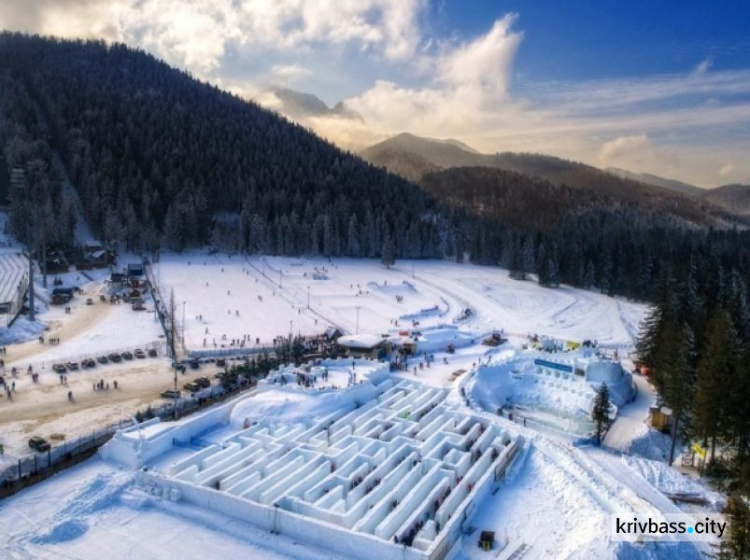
[(289, 407)]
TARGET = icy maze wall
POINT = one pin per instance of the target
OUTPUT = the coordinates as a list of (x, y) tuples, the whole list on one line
[(395, 477)]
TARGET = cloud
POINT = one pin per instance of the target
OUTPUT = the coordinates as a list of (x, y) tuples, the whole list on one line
[(628, 151), (703, 67), (196, 34), (726, 170), (286, 74)]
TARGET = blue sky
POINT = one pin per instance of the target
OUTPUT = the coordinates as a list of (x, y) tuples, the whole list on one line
[(651, 86)]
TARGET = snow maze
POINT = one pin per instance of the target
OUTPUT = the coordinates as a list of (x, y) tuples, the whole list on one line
[(393, 478)]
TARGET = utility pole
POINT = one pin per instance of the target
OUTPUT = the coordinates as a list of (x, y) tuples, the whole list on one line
[(183, 326), (32, 314), (357, 330), (308, 297), (44, 256)]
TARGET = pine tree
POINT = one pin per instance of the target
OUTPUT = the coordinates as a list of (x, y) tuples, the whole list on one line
[(388, 255), (716, 368), (736, 545), (675, 376), (600, 412)]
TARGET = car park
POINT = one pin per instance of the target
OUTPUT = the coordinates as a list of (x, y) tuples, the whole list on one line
[(38, 443)]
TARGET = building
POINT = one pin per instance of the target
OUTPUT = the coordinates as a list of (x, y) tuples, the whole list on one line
[(371, 346)]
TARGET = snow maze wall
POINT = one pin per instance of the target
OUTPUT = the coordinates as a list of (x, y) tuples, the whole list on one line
[(394, 478)]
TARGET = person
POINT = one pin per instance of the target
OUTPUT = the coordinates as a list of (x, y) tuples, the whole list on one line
[(70, 396)]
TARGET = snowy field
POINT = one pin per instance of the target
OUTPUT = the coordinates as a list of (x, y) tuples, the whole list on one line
[(231, 298), (556, 499)]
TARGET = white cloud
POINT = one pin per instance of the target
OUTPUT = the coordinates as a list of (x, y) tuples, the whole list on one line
[(703, 67), (286, 74), (632, 152), (726, 170)]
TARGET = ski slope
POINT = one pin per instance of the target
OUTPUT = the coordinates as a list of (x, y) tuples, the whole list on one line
[(233, 297)]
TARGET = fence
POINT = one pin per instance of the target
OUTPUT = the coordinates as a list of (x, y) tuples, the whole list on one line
[(38, 466), (159, 305)]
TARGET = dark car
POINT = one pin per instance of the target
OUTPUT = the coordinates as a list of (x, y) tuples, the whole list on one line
[(127, 355), (194, 363), (221, 362), (192, 387), (140, 354), (72, 366), (152, 353), (103, 360), (88, 363), (170, 394), (38, 443), (115, 357), (59, 368), (179, 366), (203, 382)]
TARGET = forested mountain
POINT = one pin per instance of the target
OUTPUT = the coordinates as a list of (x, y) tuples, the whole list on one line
[(157, 155), (735, 198), (395, 153), (162, 160)]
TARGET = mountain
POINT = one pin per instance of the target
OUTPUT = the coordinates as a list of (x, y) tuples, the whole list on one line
[(299, 105), (438, 153), (735, 198), (655, 180), (156, 155), (414, 157)]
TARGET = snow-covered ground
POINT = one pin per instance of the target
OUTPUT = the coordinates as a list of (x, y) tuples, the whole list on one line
[(228, 298), (556, 499)]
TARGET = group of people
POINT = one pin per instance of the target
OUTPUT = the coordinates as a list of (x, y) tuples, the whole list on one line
[(101, 385), (52, 341)]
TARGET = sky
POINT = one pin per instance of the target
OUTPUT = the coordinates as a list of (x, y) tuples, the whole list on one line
[(658, 87)]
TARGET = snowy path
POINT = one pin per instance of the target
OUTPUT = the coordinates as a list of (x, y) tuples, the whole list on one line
[(631, 418)]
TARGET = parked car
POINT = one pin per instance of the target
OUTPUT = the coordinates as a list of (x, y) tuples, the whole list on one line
[(88, 363), (103, 360), (59, 368), (38, 443), (221, 362), (203, 382), (140, 354), (138, 307), (115, 357), (179, 366), (152, 353), (170, 394), (89, 301), (194, 363), (72, 366), (192, 387), (127, 355)]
